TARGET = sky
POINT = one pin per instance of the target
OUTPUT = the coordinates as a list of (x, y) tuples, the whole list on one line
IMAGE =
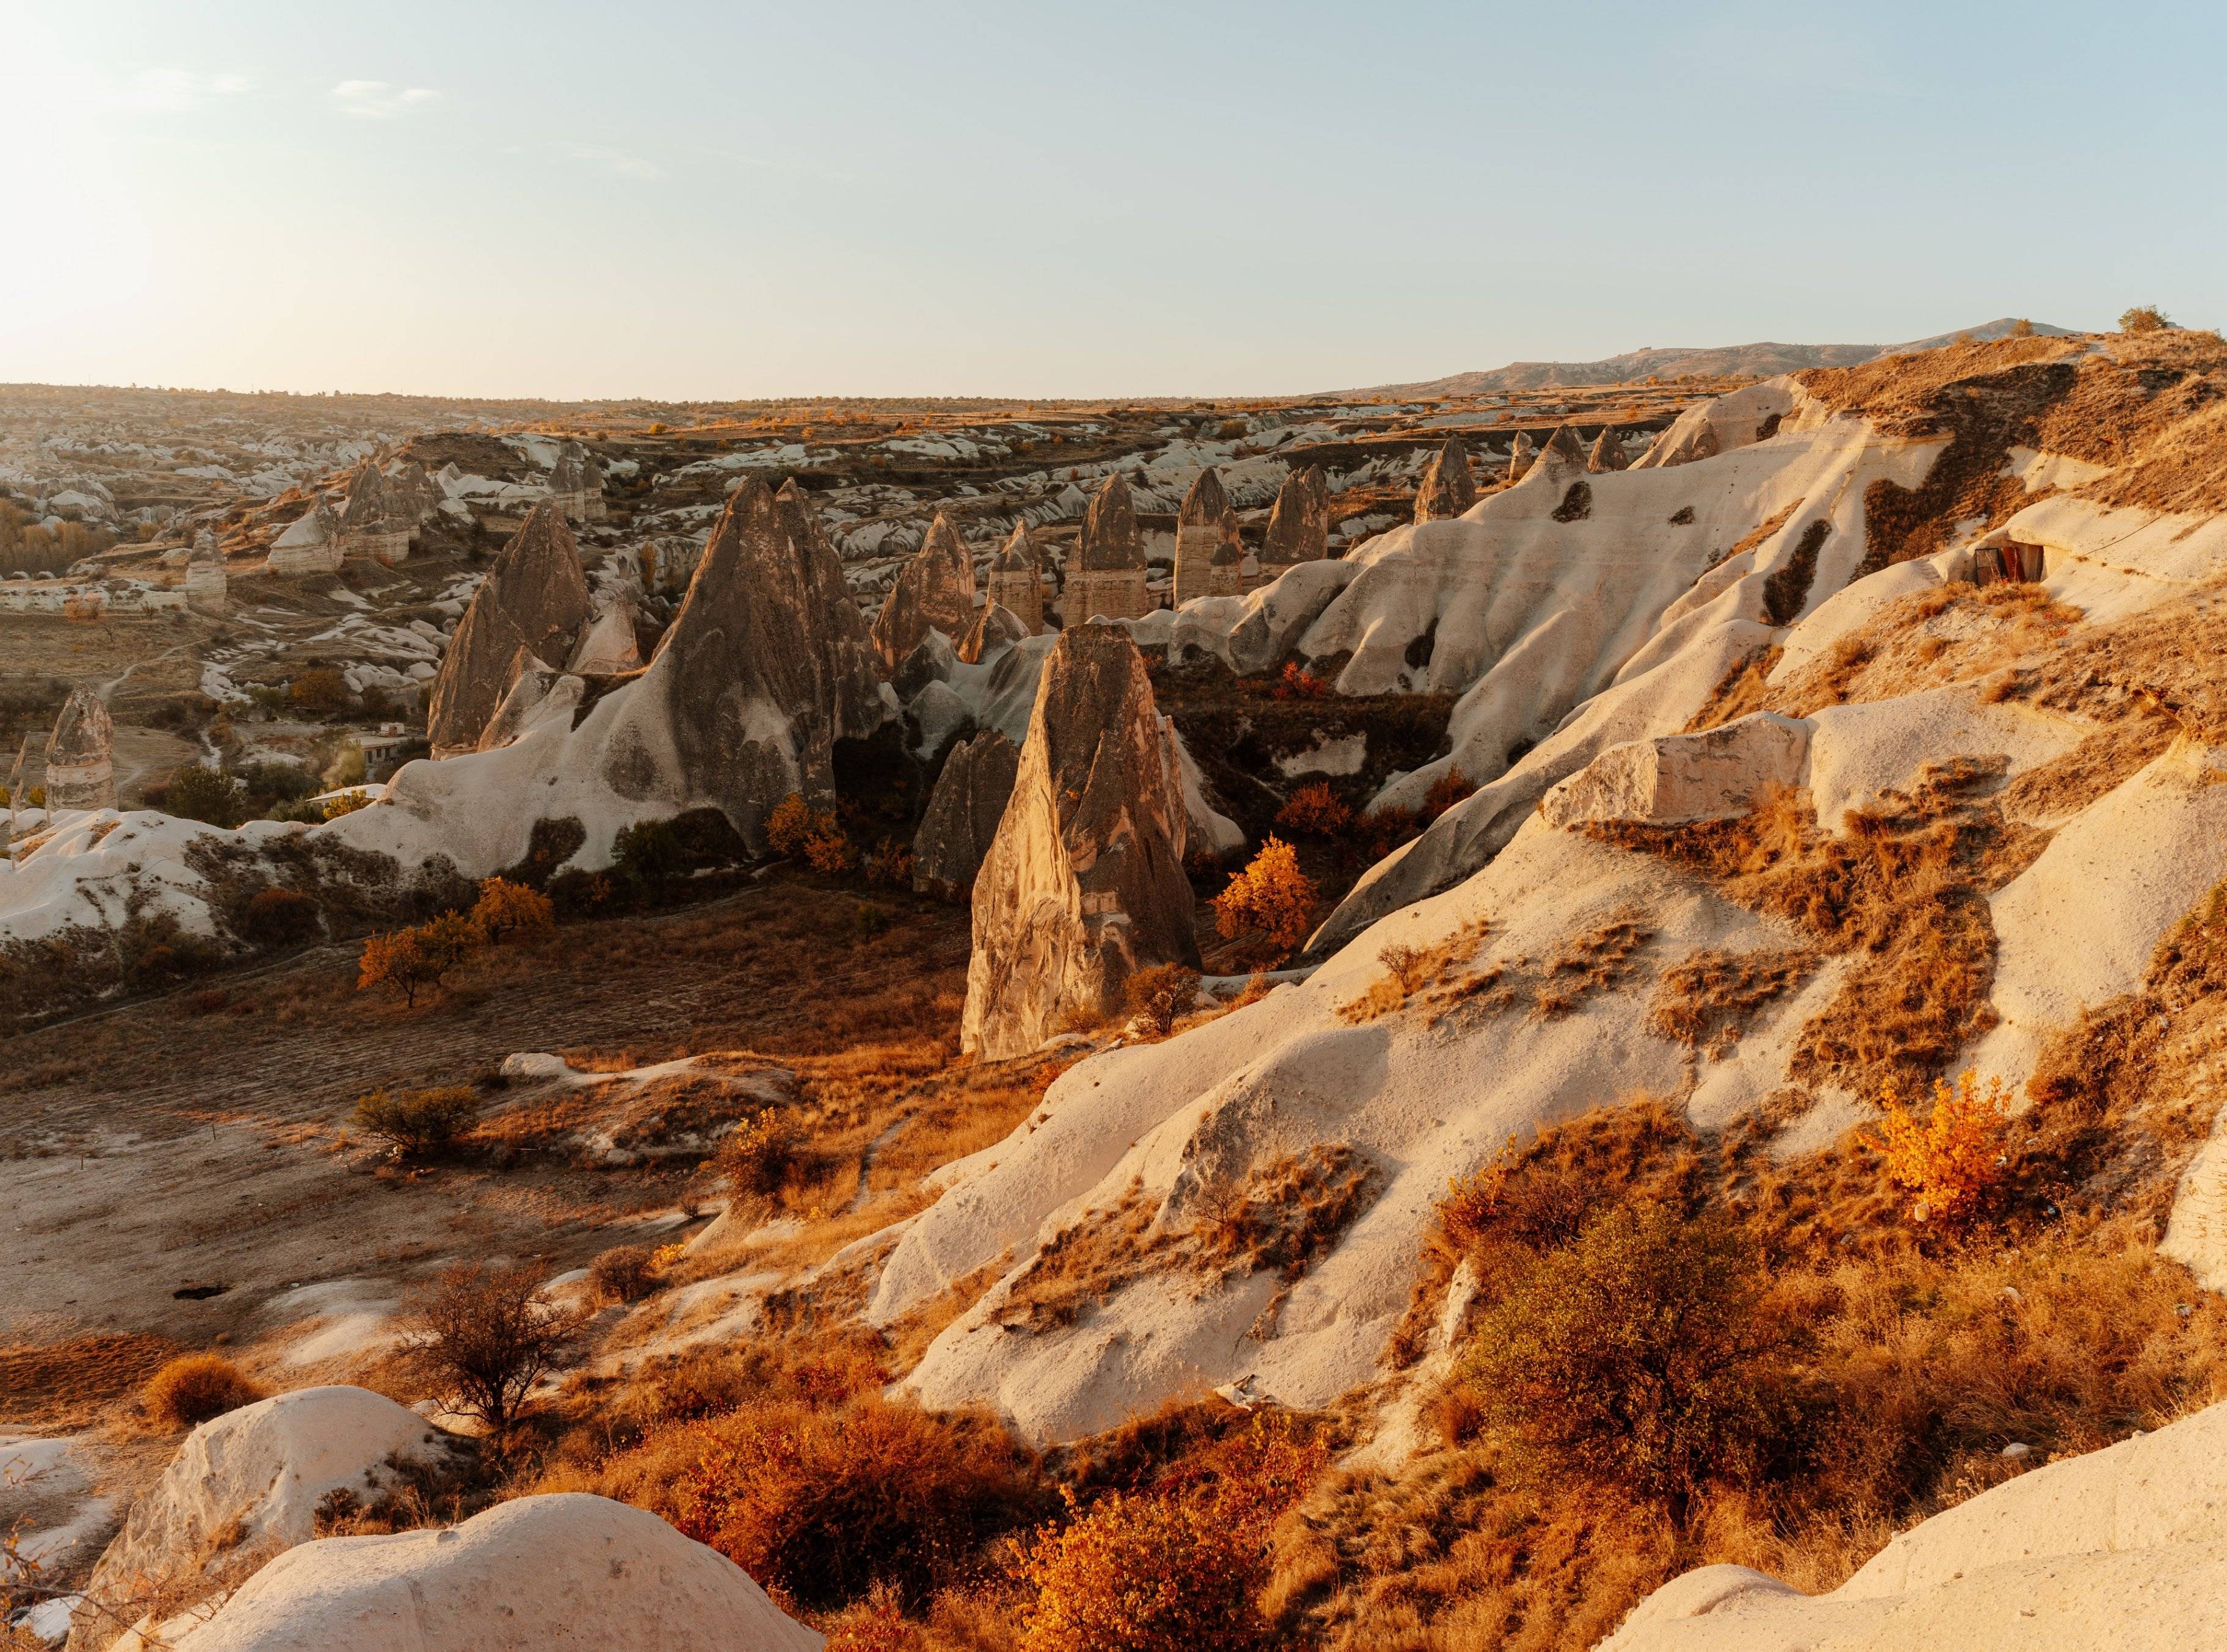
[(726, 200)]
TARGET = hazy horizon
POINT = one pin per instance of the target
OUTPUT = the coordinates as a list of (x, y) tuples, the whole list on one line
[(743, 203)]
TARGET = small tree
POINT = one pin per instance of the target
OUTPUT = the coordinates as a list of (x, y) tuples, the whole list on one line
[(409, 960), (418, 1121), (648, 852), (504, 907), (1163, 992), (319, 690), (200, 792), (2144, 318), (1955, 1161), (1272, 895), (1315, 811), (483, 1335)]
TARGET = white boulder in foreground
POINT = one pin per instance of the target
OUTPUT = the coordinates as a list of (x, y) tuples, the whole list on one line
[(1707, 776), (537, 1575), (2123, 1550)]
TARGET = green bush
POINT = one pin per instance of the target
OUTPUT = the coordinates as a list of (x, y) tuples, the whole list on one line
[(648, 852), (418, 1121), (213, 795), (1641, 1354)]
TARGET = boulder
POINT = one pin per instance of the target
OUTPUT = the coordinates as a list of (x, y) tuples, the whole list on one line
[(1199, 535), (2123, 1549), (934, 591), (1708, 776), (1607, 454), (534, 598), (80, 755), (767, 665), (1298, 523), (1084, 881), (1107, 578), (250, 1480), (310, 545), (996, 629), (962, 816), (1447, 489), (536, 1574), (1016, 581)]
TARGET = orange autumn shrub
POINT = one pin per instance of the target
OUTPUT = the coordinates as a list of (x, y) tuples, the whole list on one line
[(1955, 1161), (1315, 811), (504, 907), (1272, 895)]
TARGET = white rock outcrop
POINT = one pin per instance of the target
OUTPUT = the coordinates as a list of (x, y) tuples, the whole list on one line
[(1708, 776), (81, 755)]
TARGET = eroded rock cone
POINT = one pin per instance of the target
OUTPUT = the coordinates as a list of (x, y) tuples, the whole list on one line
[(1299, 524), (962, 822), (1016, 581), (1607, 454), (934, 591), (535, 598), (1520, 453), (1447, 489), (80, 755), (767, 665), (205, 583), (1084, 883), (1108, 579), (1225, 574), (1563, 449), (1198, 534), (997, 627)]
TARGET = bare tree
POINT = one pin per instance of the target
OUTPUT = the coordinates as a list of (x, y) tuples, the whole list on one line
[(484, 1336)]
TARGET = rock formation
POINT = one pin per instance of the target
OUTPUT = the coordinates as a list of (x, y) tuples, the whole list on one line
[(934, 591), (576, 484), (1108, 579), (205, 582), (962, 816), (310, 545), (767, 665), (1198, 535), (1707, 776), (1447, 489), (1084, 883), (1016, 581), (1608, 452), (80, 755), (370, 528), (1225, 572), (1563, 447), (1299, 525), (607, 646), (559, 1571), (534, 598), (996, 629), (1519, 456)]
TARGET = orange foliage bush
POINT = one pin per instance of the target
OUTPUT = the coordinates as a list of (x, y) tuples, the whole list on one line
[(1272, 895), (409, 960), (1298, 685), (504, 907), (1315, 811), (798, 831), (194, 1388), (1957, 1159), (1450, 789)]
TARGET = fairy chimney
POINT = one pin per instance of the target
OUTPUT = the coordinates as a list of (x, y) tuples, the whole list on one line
[(80, 755), (1016, 581), (1107, 580), (934, 591), (1198, 535), (310, 545), (1447, 489), (1083, 884), (205, 583), (1299, 524), (1563, 449), (963, 812), (1225, 572), (996, 629), (1608, 452), (371, 529), (576, 484), (534, 598), (1519, 456)]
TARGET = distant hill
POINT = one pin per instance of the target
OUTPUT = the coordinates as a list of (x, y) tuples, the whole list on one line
[(1729, 360)]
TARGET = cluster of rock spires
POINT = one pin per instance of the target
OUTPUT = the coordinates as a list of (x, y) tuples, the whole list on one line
[(1449, 490), (1083, 882), (1209, 556)]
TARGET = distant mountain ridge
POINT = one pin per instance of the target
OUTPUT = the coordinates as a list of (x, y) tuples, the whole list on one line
[(1729, 360)]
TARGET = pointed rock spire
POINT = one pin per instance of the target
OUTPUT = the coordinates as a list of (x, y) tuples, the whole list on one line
[(934, 591), (1084, 883), (1198, 532), (1108, 580), (963, 812), (1562, 448), (80, 755), (205, 583), (1016, 581), (995, 629), (1607, 454), (533, 597), (1299, 525), (1447, 489), (1519, 456)]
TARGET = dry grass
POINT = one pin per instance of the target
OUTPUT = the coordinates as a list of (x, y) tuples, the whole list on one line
[(73, 1384), (194, 1387), (1707, 1001)]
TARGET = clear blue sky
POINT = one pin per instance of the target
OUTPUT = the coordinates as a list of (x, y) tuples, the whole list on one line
[(694, 200)]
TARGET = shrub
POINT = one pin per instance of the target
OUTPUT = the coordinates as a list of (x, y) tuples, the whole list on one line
[(1639, 1356), (198, 793), (1299, 684), (318, 692), (1272, 895), (343, 803), (278, 917), (871, 920), (890, 864), (648, 852), (1163, 992), (788, 825), (755, 1155), (798, 831), (418, 1121), (623, 1274), (410, 960), (825, 1503), (2144, 318), (1450, 789), (1957, 1160), (504, 907), (483, 1336), (1315, 811), (194, 1387)]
